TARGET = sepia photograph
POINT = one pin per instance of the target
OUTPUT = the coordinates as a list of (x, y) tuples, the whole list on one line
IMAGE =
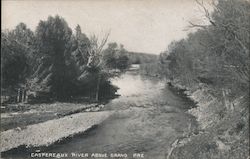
[(125, 79)]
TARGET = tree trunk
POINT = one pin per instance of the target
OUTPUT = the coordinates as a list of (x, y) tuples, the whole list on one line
[(18, 95), (97, 88)]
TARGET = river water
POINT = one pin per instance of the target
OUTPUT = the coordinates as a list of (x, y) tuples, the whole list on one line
[(149, 116)]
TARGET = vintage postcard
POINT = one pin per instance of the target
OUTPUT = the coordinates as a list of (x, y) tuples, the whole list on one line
[(125, 79)]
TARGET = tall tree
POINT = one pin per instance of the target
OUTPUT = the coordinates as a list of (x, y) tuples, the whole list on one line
[(53, 43), (82, 44), (17, 55)]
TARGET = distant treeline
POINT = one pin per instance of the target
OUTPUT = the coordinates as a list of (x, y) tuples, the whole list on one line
[(139, 58), (149, 63), (152, 65), (116, 57)]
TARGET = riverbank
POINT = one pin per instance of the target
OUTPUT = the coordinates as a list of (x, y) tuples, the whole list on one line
[(46, 133), (21, 115), (223, 125), (43, 124)]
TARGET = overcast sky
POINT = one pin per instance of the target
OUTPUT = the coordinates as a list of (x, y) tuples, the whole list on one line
[(141, 25)]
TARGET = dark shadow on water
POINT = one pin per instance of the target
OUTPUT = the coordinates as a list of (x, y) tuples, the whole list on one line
[(181, 93)]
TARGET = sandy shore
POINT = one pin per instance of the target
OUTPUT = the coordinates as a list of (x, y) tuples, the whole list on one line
[(46, 133)]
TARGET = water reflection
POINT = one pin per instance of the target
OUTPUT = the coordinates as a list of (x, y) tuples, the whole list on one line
[(132, 83)]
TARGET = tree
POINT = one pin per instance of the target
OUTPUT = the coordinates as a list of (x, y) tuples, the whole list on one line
[(109, 55), (115, 57), (80, 46), (122, 60), (53, 44), (13, 61), (95, 72), (17, 55)]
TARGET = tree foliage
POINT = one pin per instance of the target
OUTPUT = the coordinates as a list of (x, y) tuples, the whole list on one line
[(116, 57), (54, 61), (53, 44), (216, 54), (16, 55)]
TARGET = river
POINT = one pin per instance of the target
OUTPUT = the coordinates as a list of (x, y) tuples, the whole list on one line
[(149, 116)]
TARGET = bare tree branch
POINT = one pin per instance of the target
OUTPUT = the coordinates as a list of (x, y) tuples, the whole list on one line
[(95, 49), (192, 25), (206, 11)]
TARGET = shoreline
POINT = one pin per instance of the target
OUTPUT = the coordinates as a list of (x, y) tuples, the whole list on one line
[(216, 118), (28, 114), (49, 132)]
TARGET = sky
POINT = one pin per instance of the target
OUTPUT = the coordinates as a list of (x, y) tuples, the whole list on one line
[(140, 25)]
